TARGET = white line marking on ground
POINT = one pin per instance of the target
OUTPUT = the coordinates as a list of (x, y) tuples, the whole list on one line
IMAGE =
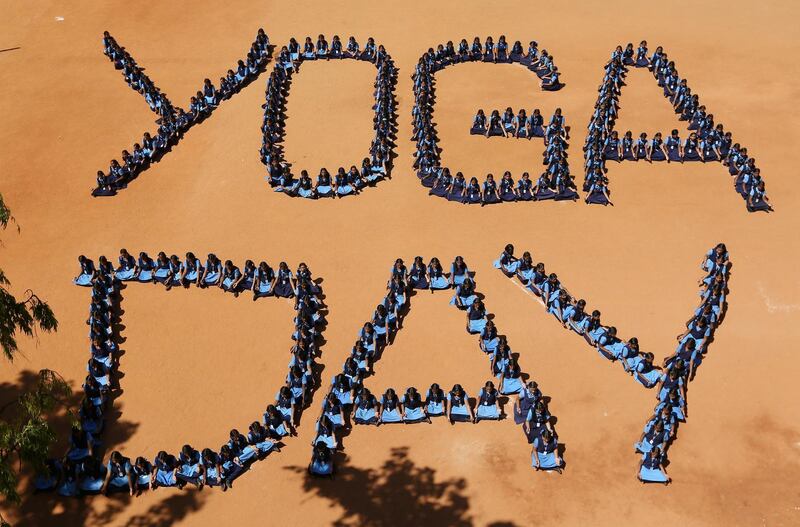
[(526, 291), (773, 307)]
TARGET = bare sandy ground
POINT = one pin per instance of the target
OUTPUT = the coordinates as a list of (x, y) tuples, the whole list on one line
[(197, 364)]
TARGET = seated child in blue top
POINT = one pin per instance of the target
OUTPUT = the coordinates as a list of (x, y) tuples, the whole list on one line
[(321, 461), (651, 469), (435, 402), (165, 468), (459, 408), (488, 404), (88, 272), (119, 474), (545, 452), (127, 266), (190, 468), (458, 271), (478, 124), (391, 410), (507, 262), (413, 407)]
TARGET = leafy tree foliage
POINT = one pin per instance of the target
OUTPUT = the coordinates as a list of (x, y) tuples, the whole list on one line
[(25, 435)]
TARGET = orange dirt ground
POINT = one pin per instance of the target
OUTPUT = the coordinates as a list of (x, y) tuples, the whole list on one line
[(214, 362)]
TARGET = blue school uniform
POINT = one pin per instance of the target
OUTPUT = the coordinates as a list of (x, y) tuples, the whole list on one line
[(119, 474), (527, 401), (365, 412), (390, 411), (435, 404), (213, 272), (165, 477), (507, 263), (473, 194), (535, 126), (92, 483), (478, 125), (647, 375), (162, 271), (87, 274), (441, 185), (261, 441), (545, 454), (343, 186), (690, 151), (673, 150), (333, 411), (438, 280), (489, 340), (524, 187), (457, 190), (651, 471), (656, 152), (321, 467), (126, 268), (458, 407), (417, 278), (189, 467), (414, 410), (512, 381), (651, 439), (612, 347), (464, 297), (596, 195), (146, 268), (487, 405), (476, 320), (458, 274), (324, 188), (283, 284), (230, 277)]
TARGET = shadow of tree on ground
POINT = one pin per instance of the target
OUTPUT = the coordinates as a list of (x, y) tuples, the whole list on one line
[(50, 509), (397, 493)]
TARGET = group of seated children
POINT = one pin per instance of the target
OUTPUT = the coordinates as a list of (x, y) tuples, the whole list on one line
[(706, 141), (428, 154), (573, 314), (680, 368), (521, 125), (677, 370), (136, 77), (554, 183), (174, 121), (349, 401), (81, 470), (373, 168)]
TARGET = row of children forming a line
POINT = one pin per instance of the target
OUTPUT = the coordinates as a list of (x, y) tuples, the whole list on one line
[(87, 475), (291, 54), (342, 184), (277, 421), (658, 149), (175, 121), (136, 77), (558, 187), (521, 126), (171, 271), (572, 314), (542, 64), (373, 168), (670, 410)]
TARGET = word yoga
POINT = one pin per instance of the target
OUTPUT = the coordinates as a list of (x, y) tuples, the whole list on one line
[(707, 141)]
